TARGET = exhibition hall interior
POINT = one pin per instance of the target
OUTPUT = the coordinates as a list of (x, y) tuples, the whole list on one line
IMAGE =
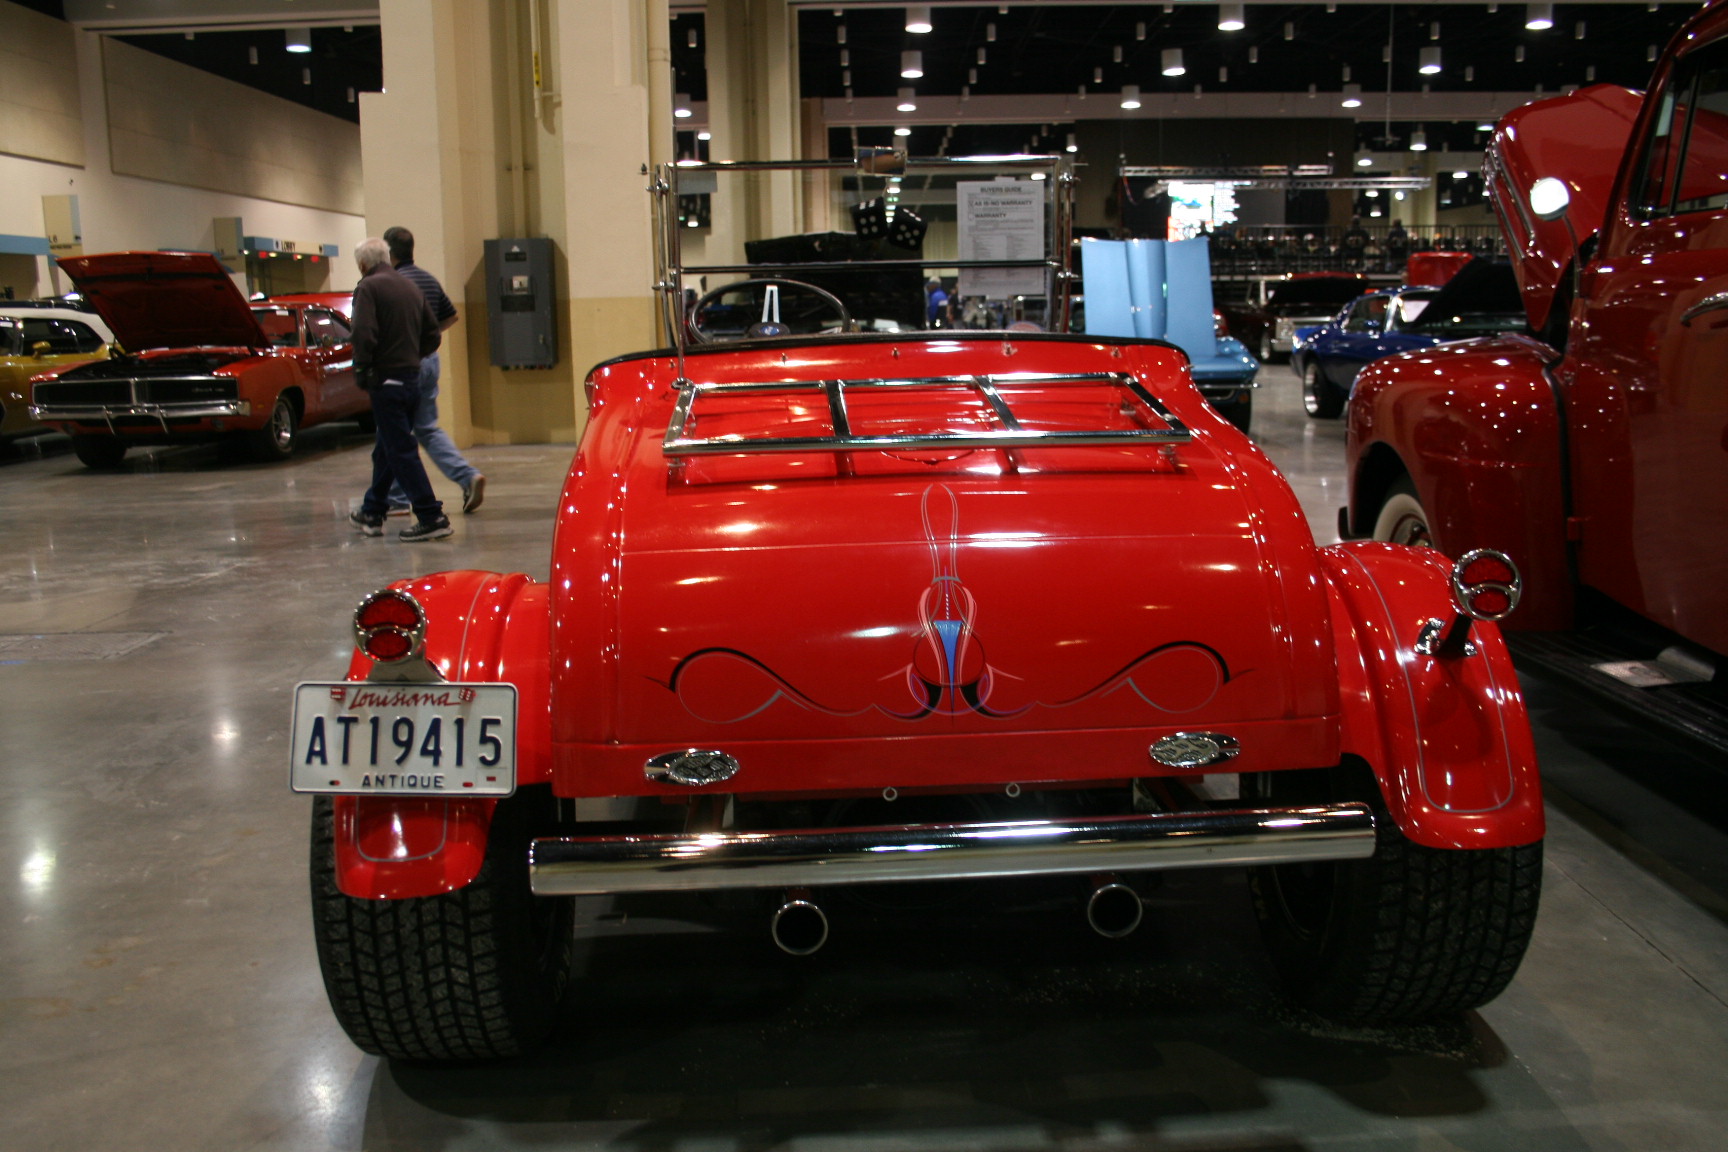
[(757, 574)]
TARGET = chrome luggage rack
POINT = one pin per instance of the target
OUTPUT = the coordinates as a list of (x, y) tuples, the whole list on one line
[(678, 441)]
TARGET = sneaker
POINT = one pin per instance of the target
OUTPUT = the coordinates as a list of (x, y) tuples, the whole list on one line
[(473, 492), (426, 530), (368, 524), (398, 510)]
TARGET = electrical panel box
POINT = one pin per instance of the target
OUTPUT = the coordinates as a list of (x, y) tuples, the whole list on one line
[(520, 303)]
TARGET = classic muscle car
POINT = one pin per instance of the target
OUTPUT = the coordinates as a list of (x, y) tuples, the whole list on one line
[(833, 608), (201, 363), (35, 339), (1597, 456), (1481, 299), (1265, 311)]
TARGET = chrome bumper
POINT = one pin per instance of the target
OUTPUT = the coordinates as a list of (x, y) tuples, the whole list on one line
[(161, 413), (596, 865)]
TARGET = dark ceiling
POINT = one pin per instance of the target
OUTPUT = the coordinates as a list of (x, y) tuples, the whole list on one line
[(1055, 48)]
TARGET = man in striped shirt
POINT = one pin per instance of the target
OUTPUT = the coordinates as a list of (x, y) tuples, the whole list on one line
[(434, 439)]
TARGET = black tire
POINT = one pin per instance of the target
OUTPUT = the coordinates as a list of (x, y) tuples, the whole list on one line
[(275, 441), (100, 452), (1322, 399), (1401, 518), (1239, 412), (477, 973), (1410, 934)]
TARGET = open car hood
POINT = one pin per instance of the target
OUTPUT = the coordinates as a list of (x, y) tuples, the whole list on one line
[(166, 300), (1480, 287), (1578, 138)]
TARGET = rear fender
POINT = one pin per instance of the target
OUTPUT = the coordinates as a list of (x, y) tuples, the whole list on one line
[(480, 627), (1447, 737)]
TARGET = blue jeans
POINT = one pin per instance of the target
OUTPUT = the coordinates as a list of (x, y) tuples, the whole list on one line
[(434, 439), (395, 457)]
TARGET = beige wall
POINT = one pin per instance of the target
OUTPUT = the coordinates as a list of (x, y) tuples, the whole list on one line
[(461, 147), (39, 103), (175, 207), (176, 124)]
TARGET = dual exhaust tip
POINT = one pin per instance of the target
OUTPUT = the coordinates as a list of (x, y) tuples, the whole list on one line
[(799, 927)]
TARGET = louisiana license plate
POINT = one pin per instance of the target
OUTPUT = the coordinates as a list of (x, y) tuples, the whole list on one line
[(388, 739)]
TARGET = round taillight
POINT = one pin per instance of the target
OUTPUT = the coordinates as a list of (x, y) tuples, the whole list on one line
[(389, 625), (1486, 584)]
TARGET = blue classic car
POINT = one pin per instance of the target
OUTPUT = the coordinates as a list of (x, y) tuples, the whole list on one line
[(1481, 300)]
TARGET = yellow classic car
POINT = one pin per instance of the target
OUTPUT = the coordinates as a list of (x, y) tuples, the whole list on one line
[(35, 339)]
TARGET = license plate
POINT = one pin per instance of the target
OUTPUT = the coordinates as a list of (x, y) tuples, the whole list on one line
[(385, 739)]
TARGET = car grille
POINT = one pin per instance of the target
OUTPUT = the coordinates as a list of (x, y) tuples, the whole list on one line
[(124, 393)]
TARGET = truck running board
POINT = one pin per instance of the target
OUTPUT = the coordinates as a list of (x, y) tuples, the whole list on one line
[(597, 865)]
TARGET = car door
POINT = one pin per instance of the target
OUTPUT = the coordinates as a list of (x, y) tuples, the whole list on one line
[(1359, 339), (1650, 366), (329, 344)]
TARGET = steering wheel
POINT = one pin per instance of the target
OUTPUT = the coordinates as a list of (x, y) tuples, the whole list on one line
[(804, 315)]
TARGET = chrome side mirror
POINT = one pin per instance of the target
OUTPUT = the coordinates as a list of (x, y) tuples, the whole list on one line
[(1549, 198)]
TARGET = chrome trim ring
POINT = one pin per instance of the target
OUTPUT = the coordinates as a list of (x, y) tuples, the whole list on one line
[(1466, 594), (416, 635)]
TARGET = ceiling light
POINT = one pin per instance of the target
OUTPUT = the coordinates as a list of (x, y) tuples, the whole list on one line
[(704, 135), (1418, 141), (1072, 146), (299, 39), (980, 55), (918, 18), (1140, 30), (1518, 54), (1538, 17), (908, 101), (1352, 96), (1372, 193), (1097, 75), (840, 34), (902, 131), (305, 75), (1223, 74), (1173, 62), (681, 105), (990, 31), (912, 64), (1230, 18), (252, 54), (1460, 175), (1578, 30), (691, 40), (1397, 195), (1253, 55), (1130, 95), (1364, 160), (1485, 126), (1649, 55), (1429, 60)]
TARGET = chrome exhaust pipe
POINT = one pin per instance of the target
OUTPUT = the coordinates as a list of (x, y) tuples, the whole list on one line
[(799, 927), (1113, 909)]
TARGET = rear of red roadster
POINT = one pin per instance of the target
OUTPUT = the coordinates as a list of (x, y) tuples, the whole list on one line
[(895, 609), (838, 602)]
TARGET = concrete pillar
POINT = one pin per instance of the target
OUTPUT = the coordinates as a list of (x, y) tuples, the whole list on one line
[(753, 113), (528, 118)]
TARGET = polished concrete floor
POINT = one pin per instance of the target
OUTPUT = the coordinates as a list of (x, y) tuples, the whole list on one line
[(159, 989)]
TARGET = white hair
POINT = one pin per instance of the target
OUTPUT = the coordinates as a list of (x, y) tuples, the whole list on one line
[(370, 253)]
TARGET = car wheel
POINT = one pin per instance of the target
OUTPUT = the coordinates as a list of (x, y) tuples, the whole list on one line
[(1408, 934), (1266, 346), (1238, 412), (1402, 519), (472, 974), (1323, 399), (100, 452), (275, 441)]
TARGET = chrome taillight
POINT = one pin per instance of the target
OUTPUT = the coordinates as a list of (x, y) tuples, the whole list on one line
[(1486, 584), (390, 626)]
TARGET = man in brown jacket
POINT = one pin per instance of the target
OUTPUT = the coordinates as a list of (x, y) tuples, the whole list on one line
[(393, 330)]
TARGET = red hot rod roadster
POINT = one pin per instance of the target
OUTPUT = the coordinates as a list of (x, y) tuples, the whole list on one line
[(1025, 591)]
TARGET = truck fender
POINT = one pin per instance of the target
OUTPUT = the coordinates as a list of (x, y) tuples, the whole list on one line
[(1482, 431), (480, 627), (1447, 736)]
